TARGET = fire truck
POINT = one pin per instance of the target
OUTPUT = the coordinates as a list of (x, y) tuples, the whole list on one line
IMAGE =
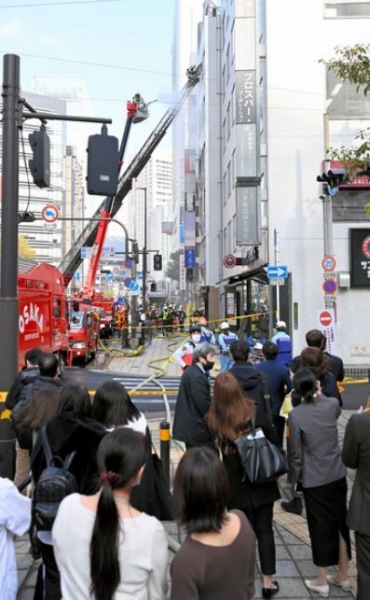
[(43, 311), (84, 330), (94, 233)]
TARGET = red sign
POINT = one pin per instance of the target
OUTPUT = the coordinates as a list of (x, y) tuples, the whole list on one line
[(361, 181), (229, 261), (325, 318), (50, 213), (328, 263)]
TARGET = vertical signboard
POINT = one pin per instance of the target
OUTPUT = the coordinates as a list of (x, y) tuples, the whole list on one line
[(247, 149), (245, 97), (247, 216)]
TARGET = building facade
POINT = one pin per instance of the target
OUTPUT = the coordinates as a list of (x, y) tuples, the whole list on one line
[(267, 109)]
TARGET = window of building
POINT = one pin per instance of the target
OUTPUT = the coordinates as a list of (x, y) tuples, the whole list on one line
[(345, 9), (234, 233), (229, 239), (343, 100)]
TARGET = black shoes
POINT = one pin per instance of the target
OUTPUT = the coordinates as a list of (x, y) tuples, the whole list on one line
[(269, 592), (293, 506)]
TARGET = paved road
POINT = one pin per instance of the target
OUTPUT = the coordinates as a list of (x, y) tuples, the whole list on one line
[(147, 395)]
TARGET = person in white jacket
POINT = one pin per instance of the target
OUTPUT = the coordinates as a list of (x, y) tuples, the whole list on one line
[(15, 519)]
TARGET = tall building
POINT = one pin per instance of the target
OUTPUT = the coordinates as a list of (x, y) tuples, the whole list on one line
[(45, 239), (260, 143)]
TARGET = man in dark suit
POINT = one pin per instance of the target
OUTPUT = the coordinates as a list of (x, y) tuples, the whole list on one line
[(316, 339), (356, 455), (280, 385), (194, 399), (255, 383)]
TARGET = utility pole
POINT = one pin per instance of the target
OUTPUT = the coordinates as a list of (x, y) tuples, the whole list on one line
[(277, 258), (9, 222), (144, 189), (326, 199)]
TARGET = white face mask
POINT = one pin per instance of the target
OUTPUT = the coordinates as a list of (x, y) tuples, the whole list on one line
[(196, 338)]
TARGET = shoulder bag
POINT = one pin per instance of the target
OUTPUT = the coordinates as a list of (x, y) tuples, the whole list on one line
[(261, 460)]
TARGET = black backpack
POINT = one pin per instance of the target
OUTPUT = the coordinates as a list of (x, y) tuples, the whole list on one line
[(54, 484)]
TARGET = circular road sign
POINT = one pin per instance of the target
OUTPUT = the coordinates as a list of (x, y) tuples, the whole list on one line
[(134, 286), (128, 263), (330, 286), (116, 270), (325, 318), (50, 213), (229, 261), (127, 281), (328, 263)]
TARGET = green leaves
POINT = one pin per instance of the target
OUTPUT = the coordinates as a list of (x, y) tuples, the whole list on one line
[(352, 63)]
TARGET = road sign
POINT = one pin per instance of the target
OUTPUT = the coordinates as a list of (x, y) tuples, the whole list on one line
[(50, 213), (277, 271), (325, 318), (134, 286), (128, 263), (128, 282), (109, 276), (328, 263), (229, 261), (116, 269), (277, 281), (330, 286)]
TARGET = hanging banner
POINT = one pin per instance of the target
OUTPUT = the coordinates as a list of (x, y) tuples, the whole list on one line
[(326, 324)]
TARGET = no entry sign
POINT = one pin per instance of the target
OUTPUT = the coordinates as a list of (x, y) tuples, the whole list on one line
[(325, 318)]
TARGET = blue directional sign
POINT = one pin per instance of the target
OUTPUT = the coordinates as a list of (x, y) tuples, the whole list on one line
[(134, 286), (277, 271)]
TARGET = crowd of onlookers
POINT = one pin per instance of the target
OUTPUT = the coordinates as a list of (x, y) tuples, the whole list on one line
[(107, 541)]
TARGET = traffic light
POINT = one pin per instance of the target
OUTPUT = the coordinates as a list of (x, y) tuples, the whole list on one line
[(153, 287), (40, 163), (102, 164), (157, 262), (333, 179), (135, 252)]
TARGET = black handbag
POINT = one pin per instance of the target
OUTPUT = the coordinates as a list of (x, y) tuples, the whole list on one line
[(261, 460)]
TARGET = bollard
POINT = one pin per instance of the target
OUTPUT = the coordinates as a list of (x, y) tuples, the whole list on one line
[(7, 446), (165, 443)]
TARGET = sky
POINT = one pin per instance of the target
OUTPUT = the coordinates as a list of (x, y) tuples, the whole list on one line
[(119, 47)]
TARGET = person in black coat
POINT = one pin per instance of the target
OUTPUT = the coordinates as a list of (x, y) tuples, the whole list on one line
[(17, 395), (280, 385), (256, 384), (230, 417), (194, 399), (356, 455)]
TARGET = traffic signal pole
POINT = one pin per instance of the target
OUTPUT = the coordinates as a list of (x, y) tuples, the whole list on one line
[(9, 222)]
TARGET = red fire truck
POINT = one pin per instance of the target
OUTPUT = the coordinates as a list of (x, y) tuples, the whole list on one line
[(43, 311), (84, 330)]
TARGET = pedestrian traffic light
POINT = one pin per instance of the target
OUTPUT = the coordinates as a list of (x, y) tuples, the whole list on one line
[(40, 163), (332, 180), (102, 164), (157, 262)]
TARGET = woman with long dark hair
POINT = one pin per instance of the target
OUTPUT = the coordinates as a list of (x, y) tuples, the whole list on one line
[(313, 359), (316, 459), (230, 417), (113, 408), (105, 548), (217, 559)]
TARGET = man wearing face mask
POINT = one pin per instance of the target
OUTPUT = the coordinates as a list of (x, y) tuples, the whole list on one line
[(194, 399), (184, 355)]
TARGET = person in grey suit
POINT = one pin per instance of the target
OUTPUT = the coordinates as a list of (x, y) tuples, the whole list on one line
[(317, 462), (356, 455)]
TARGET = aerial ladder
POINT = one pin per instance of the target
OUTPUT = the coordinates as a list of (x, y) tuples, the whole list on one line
[(93, 234)]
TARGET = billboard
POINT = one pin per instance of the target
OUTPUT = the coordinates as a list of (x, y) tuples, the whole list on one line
[(360, 257), (247, 217)]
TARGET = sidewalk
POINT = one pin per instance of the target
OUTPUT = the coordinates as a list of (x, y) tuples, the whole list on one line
[(293, 552)]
